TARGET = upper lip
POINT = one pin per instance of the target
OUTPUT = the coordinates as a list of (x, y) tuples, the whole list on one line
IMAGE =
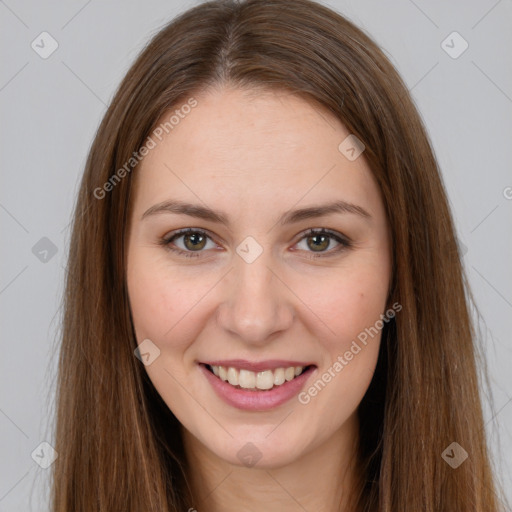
[(256, 366)]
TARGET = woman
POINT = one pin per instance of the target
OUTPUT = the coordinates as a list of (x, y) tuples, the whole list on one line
[(265, 306)]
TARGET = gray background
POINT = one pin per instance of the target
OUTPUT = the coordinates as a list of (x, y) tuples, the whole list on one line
[(51, 108)]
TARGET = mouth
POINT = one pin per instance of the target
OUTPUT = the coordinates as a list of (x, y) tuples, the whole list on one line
[(265, 380), (260, 390)]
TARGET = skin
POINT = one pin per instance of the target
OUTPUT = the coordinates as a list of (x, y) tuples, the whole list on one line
[(254, 156)]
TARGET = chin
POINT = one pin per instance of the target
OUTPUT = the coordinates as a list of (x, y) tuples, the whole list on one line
[(260, 452)]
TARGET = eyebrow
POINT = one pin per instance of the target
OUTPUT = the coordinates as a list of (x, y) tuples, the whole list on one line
[(289, 217)]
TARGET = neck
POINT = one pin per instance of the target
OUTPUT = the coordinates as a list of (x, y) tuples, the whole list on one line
[(324, 479)]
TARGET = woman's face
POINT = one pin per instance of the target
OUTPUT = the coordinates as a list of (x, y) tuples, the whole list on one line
[(248, 288)]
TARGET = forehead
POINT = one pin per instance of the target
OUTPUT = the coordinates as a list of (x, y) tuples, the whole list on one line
[(256, 148), (232, 125)]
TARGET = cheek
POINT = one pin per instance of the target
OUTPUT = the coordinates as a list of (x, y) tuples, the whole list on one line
[(153, 308), (158, 298), (344, 305), (162, 305), (351, 307)]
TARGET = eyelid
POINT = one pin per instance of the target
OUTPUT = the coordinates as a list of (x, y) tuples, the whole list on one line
[(185, 231), (343, 241), (168, 239)]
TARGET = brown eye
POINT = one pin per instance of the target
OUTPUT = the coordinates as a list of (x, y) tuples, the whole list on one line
[(319, 242), (322, 243), (188, 242), (194, 241)]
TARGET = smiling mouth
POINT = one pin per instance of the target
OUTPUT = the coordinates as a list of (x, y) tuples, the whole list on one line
[(257, 381)]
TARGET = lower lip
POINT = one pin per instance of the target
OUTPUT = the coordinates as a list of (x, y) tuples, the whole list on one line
[(257, 400)]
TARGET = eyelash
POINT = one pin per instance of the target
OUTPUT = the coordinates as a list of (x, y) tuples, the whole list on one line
[(344, 242)]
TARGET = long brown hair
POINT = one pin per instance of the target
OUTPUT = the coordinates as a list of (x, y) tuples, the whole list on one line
[(119, 445)]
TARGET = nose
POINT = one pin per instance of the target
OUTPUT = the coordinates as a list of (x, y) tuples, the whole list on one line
[(257, 302)]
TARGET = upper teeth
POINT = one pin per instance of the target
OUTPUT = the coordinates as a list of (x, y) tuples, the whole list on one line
[(256, 380)]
